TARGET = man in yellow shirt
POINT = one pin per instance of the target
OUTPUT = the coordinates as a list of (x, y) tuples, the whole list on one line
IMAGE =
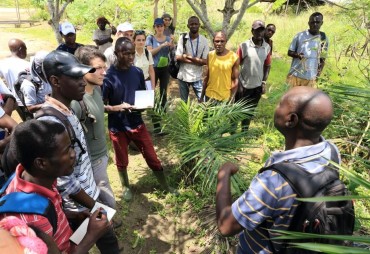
[(221, 81)]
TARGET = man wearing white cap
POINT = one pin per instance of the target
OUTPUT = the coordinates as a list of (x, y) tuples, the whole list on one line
[(255, 62), (68, 33), (123, 30)]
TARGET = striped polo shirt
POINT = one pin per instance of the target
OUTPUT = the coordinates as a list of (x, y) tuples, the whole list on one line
[(270, 203)]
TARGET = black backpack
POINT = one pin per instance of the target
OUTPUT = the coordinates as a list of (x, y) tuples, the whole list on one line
[(329, 218), (25, 114), (174, 66)]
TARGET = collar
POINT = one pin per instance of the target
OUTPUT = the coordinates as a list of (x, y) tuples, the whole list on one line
[(29, 187), (58, 105), (300, 154), (264, 44)]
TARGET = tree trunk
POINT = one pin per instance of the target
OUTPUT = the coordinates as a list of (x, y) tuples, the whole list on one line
[(228, 12), (55, 15)]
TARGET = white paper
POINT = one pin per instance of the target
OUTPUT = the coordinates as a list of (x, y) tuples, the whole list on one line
[(80, 233), (144, 99), (148, 85)]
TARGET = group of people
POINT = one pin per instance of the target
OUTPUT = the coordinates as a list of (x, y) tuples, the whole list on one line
[(69, 90)]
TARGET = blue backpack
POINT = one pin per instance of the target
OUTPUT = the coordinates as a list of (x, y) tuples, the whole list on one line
[(27, 203)]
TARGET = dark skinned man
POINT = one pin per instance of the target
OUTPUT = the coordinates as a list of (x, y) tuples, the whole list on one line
[(308, 50), (269, 203)]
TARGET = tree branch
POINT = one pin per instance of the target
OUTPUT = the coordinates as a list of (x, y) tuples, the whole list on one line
[(245, 5), (203, 15)]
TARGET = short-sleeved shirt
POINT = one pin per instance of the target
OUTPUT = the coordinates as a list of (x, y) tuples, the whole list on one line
[(9, 70), (270, 201), (64, 47), (82, 176), (161, 58), (103, 35), (142, 62), (252, 61), (33, 96), (220, 70), (196, 48), (120, 86), (168, 31), (313, 48), (63, 231), (95, 135)]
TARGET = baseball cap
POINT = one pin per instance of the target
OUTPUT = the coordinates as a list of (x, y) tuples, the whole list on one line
[(257, 24), (158, 21), (61, 62), (126, 26), (66, 28)]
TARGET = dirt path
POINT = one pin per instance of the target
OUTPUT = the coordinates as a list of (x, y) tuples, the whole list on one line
[(150, 223)]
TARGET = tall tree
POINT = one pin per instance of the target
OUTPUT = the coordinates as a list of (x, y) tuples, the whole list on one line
[(200, 8), (56, 9)]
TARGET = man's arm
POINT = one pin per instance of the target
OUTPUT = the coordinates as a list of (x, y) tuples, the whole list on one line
[(101, 42), (6, 122), (227, 224), (205, 83), (295, 54), (234, 79), (320, 67)]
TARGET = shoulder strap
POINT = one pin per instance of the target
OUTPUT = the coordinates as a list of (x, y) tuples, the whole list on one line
[(84, 110), (27, 203), (184, 40), (146, 53), (50, 111), (304, 183)]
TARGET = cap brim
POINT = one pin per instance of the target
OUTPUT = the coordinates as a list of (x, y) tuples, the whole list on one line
[(78, 70)]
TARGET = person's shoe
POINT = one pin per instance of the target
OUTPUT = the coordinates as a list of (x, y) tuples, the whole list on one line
[(160, 134), (127, 194), (163, 182)]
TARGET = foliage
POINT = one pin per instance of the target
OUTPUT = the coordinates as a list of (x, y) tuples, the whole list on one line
[(199, 133)]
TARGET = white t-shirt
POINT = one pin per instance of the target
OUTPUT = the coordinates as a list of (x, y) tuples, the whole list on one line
[(102, 35)]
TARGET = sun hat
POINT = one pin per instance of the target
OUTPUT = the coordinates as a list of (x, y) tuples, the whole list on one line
[(124, 27)]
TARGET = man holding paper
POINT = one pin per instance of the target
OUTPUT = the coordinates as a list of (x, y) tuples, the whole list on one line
[(124, 120)]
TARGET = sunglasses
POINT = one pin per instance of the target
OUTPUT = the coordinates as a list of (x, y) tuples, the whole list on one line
[(140, 32)]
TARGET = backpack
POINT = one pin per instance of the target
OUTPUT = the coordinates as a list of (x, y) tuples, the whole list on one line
[(27, 203), (174, 66), (25, 114), (329, 218)]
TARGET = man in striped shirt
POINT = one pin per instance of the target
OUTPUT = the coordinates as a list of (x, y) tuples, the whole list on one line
[(269, 203)]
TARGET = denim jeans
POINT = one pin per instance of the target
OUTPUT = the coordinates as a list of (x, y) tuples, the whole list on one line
[(106, 195), (184, 89)]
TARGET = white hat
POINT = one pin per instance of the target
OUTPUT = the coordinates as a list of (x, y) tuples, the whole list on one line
[(67, 28), (125, 27)]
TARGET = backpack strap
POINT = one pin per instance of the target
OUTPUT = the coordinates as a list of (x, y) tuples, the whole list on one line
[(27, 203), (50, 111), (304, 183), (184, 40), (146, 53)]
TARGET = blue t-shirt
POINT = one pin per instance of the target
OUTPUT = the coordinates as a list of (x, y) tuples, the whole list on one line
[(120, 86), (162, 53)]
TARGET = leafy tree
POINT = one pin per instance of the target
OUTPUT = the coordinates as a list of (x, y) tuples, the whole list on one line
[(56, 9), (200, 8)]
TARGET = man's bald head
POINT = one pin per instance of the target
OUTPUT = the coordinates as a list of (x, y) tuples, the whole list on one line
[(305, 109), (17, 47)]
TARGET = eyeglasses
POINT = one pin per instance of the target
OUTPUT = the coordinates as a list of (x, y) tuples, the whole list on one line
[(139, 32)]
